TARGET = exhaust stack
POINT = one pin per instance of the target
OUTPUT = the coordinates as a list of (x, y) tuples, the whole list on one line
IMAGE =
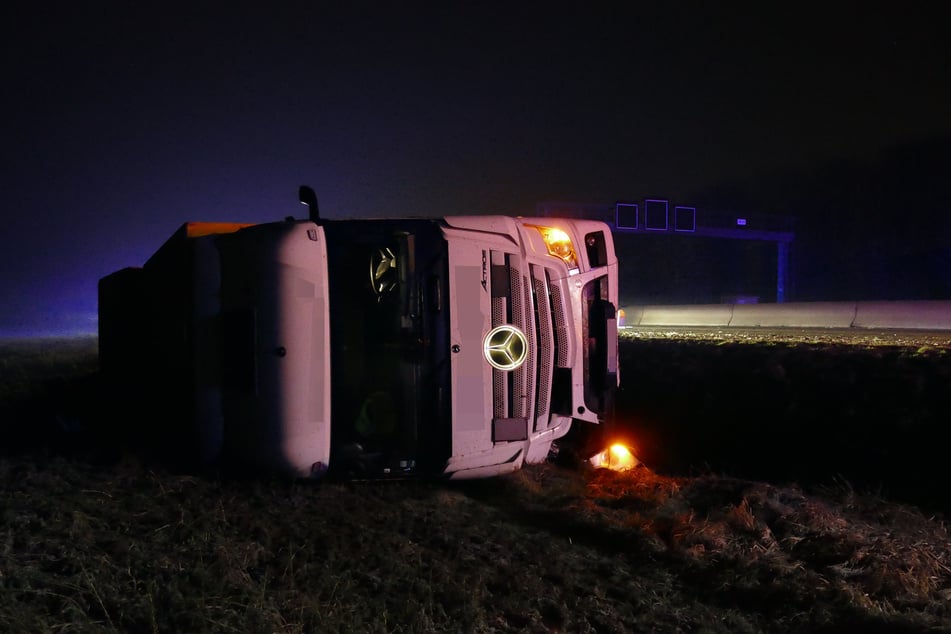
[(307, 197)]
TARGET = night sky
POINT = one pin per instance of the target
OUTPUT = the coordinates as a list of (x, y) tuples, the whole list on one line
[(122, 121)]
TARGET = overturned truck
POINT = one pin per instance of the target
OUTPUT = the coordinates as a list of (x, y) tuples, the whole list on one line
[(460, 346)]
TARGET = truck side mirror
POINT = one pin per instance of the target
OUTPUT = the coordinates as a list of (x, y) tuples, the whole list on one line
[(307, 197)]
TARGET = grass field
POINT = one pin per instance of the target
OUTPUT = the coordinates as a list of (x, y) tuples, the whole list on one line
[(94, 538), (803, 411)]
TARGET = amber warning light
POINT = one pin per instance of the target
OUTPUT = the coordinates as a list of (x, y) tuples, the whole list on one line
[(617, 457), (559, 245)]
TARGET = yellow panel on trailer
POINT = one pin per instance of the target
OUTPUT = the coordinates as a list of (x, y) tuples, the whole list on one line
[(199, 229)]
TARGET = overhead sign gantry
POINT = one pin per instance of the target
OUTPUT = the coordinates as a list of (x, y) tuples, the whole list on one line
[(656, 216)]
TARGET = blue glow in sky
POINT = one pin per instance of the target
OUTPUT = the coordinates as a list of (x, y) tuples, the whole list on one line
[(122, 121)]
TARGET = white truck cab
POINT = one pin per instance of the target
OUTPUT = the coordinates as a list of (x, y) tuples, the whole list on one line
[(460, 346)]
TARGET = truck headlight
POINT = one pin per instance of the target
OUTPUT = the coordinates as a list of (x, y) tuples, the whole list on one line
[(559, 245)]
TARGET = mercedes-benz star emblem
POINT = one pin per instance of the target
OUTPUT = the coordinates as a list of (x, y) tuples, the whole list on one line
[(505, 347)]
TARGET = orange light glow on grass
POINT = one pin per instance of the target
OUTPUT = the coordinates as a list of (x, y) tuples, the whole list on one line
[(617, 457)]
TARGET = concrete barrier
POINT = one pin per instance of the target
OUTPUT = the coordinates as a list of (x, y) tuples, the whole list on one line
[(914, 315), (703, 315), (794, 315), (935, 315)]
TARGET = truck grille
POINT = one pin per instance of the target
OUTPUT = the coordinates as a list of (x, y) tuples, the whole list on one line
[(560, 324), (532, 304), (544, 328)]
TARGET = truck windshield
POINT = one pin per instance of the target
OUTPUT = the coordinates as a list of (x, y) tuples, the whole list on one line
[(389, 331)]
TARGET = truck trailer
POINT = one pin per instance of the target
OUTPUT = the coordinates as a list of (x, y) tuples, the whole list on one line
[(460, 346)]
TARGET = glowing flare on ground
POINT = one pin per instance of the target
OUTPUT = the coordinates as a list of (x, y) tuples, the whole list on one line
[(617, 457)]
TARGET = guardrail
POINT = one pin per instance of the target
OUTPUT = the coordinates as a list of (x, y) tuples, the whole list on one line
[(916, 315)]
